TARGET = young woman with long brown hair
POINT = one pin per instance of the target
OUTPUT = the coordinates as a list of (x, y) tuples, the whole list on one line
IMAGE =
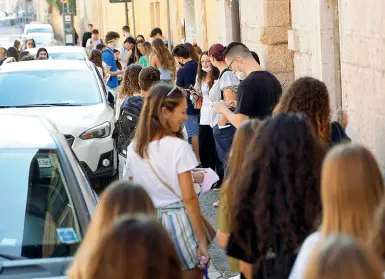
[(96, 58), (147, 50), (342, 257), (193, 54), (276, 196), (118, 199), (163, 60), (135, 247), (206, 76), (244, 135), (310, 96), (161, 160), (351, 190)]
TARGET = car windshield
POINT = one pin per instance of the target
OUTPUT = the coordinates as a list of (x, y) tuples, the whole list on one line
[(39, 30), (38, 219), (67, 56), (42, 40), (71, 87)]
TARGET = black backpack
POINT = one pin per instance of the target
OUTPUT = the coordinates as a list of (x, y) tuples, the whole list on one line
[(125, 127)]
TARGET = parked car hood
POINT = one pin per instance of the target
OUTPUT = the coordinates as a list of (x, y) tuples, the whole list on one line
[(72, 120)]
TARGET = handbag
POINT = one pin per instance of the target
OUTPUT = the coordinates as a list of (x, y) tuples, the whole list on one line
[(198, 100), (208, 229)]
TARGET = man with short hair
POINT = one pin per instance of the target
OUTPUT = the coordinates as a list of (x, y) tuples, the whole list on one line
[(112, 39), (100, 47), (87, 35), (3, 54), (93, 41), (127, 52), (126, 31), (257, 94), (186, 77), (157, 33)]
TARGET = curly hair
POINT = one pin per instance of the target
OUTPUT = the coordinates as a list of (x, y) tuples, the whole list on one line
[(279, 189), (311, 97), (130, 84)]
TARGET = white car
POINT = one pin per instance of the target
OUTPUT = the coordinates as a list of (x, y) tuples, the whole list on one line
[(63, 52), (42, 34), (73, 96), (46, 200)]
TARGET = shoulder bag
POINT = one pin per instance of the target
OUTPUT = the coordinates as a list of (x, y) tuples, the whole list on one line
[(208, 229)]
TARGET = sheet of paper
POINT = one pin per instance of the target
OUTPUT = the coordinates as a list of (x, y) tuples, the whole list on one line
[(209, 179)]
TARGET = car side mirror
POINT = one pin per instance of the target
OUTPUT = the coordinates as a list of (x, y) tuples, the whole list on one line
[(111, 96)]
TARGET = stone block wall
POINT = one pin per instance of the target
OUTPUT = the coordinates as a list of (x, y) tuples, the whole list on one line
[(264, 26), (363, 70)]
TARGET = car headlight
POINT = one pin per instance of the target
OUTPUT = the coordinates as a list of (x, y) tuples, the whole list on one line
[(98, 132)]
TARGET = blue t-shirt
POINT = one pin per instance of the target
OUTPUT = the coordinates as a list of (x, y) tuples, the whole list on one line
[(186, 76), (109, 59)]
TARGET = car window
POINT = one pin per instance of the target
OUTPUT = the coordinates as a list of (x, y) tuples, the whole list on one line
[(67, 56), (39, 30), (38, 218), (46, 87)]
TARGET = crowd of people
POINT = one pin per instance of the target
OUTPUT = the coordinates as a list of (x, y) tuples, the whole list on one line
[(297, 198)]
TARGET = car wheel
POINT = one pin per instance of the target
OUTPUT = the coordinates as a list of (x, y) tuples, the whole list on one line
[(104, 182)]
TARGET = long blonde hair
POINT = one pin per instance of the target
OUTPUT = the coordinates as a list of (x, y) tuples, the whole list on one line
[(120, 198), (136, 247), (245, 133), (351, 190), (341, 257)]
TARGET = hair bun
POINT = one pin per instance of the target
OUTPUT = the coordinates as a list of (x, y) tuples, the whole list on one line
[(195, 44)]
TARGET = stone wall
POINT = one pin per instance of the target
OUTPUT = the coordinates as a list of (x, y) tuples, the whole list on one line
[(264, 27), (363, 70), (314, 39)]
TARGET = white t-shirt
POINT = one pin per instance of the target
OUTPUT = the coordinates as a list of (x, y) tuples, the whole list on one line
[(228, 79), (206, 104), (169, 156), (89, 41), (304, 256)]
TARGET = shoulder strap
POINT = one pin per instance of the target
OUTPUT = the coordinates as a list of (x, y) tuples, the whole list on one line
[(219, 80), (160, 179)]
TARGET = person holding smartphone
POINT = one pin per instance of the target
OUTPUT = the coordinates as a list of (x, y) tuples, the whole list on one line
[(185, 78)]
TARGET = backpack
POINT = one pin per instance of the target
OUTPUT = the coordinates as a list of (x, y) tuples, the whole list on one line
[(125, 127)]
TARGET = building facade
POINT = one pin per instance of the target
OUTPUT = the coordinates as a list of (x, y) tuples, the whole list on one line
[(337, 41)]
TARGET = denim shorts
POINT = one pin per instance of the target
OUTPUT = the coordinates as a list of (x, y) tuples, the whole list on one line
[(192, 125)]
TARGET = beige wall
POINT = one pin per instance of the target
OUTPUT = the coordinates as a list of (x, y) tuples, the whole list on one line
[(212, 23), (314, 40), (264, 27), (363, 70)]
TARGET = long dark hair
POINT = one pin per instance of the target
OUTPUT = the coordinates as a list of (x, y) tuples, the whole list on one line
[(151, 122), (202, 74), (279, 189), (96, 58), (13, 52), (193, 54)]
